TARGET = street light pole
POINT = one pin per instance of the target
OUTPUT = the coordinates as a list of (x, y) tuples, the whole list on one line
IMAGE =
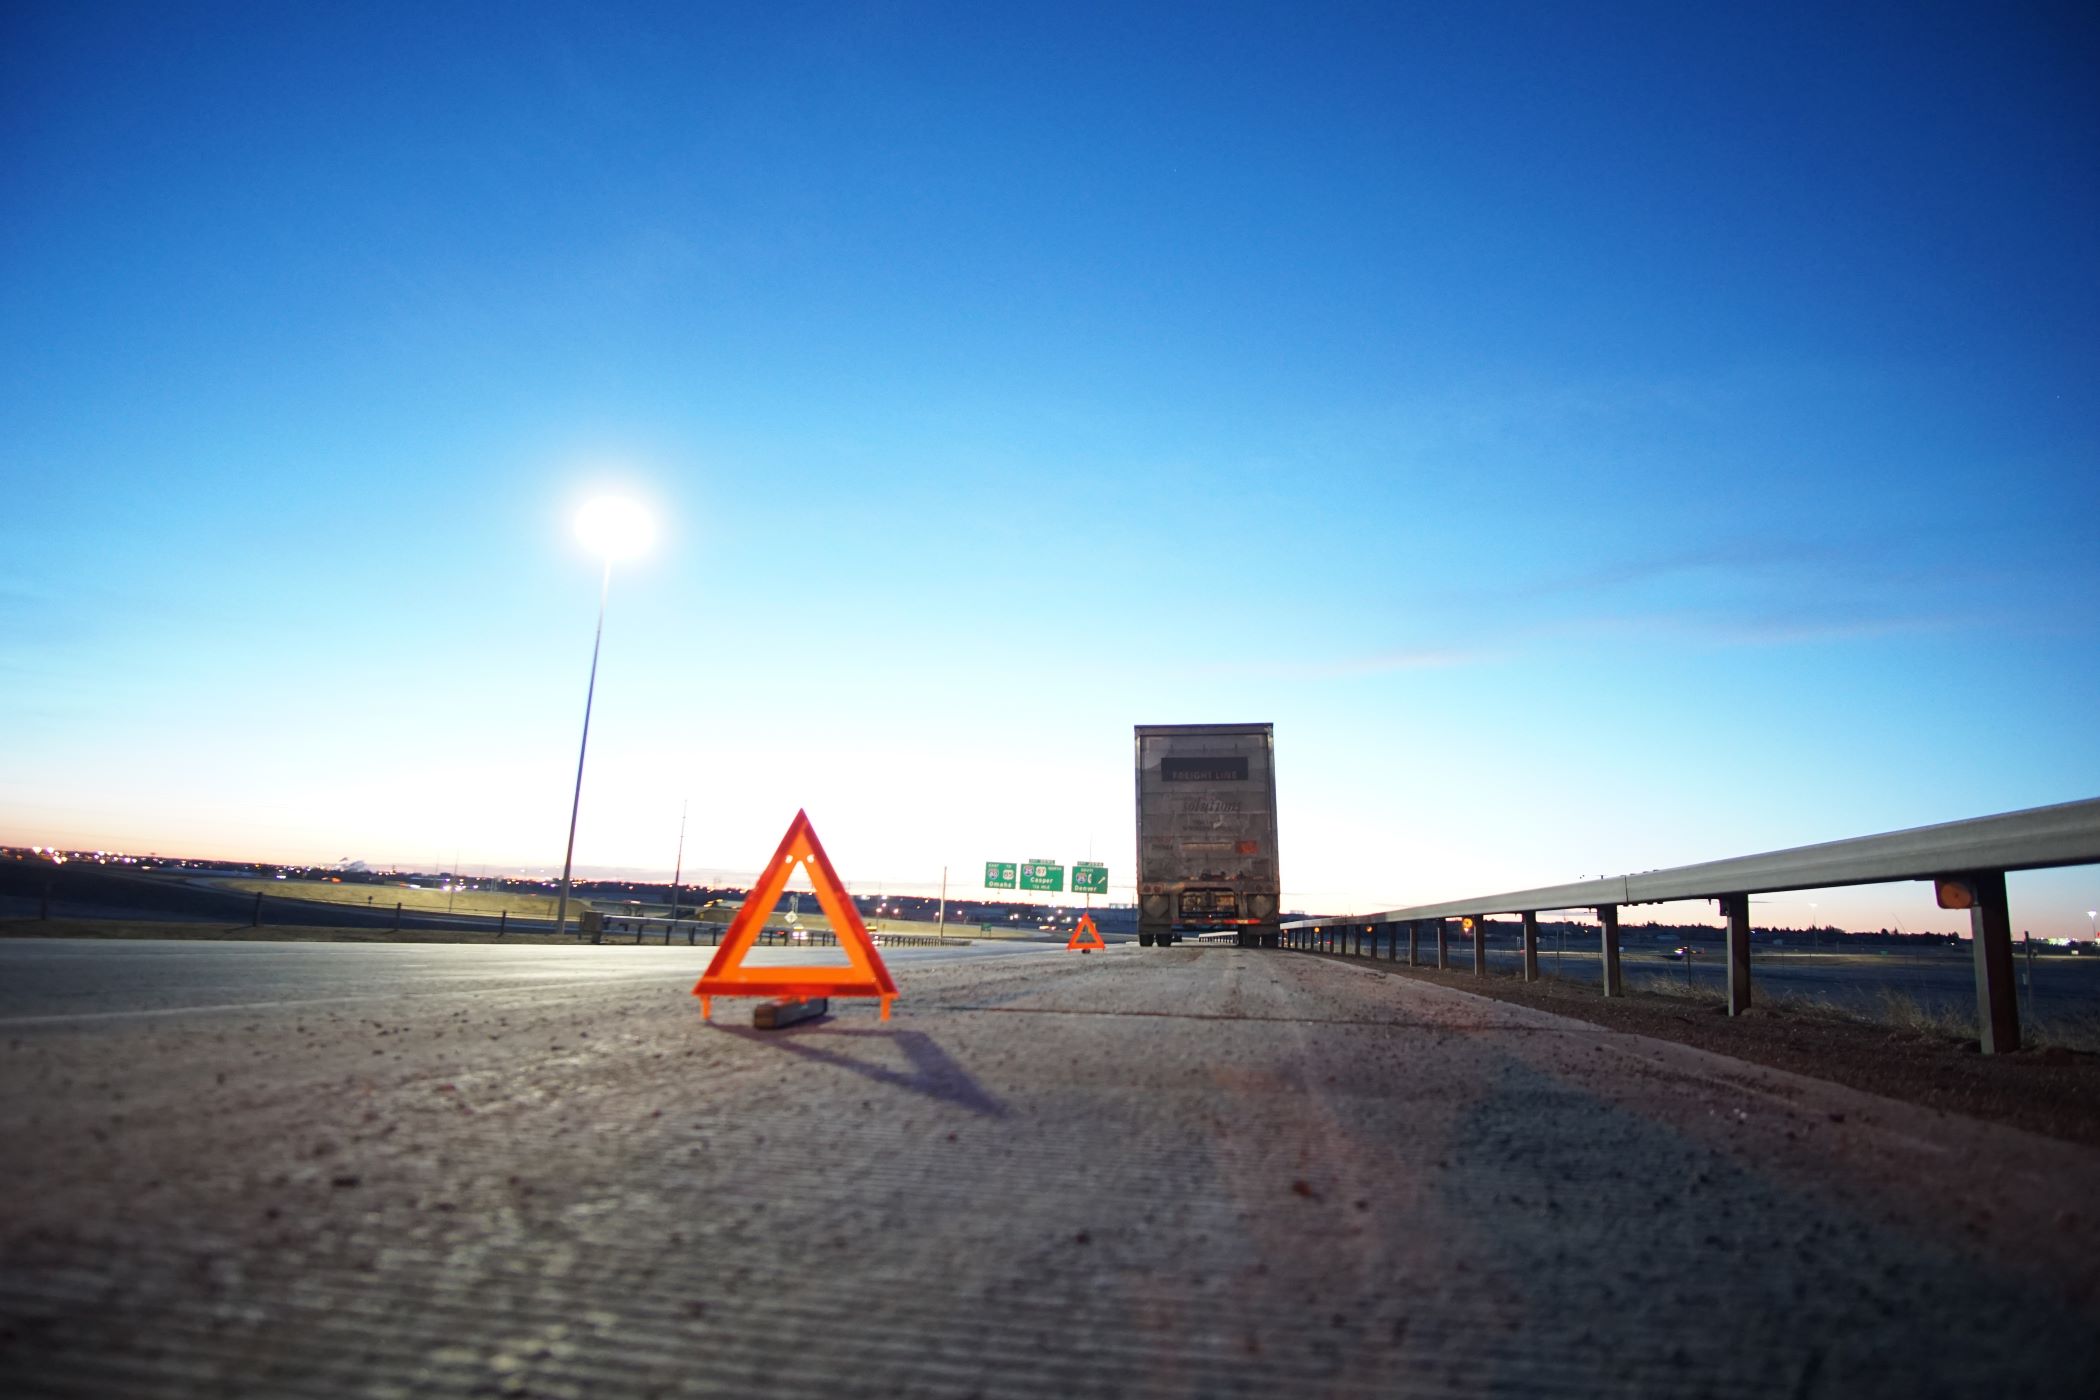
[(561, 912), (678, 867)]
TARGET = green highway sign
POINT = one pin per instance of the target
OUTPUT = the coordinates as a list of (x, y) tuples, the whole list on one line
[(1089, 878), (1043, 875), (998, 874)]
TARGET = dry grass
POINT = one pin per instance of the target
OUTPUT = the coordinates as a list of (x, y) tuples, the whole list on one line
[(490, 903), (267, 933), (2077, 1030), (425, 901), (1889, 1006), (1673, 984)]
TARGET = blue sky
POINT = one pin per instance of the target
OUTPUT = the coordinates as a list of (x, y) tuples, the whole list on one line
[(1597, 440)]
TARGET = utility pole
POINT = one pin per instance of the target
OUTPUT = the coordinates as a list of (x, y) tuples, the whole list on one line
[(940, 917), (2027, 944)]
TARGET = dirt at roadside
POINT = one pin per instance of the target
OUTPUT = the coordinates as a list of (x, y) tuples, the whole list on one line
[(2047, 1090)]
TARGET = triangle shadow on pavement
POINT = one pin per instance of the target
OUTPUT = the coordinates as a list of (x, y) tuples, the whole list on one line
[(933, 1073)]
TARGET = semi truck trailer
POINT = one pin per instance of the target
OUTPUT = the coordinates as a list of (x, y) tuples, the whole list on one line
[(1206, 833)]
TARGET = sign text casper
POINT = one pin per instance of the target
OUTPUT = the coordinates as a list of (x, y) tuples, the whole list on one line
[(1043, 875)]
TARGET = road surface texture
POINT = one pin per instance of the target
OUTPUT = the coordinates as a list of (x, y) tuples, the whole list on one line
[(1186, 1172)]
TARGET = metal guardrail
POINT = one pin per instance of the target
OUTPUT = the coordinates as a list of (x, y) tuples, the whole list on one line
[(699, 931), (1966, 860)]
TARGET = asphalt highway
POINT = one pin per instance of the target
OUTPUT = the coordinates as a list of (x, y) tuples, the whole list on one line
[(372, 1170), (48, 981)]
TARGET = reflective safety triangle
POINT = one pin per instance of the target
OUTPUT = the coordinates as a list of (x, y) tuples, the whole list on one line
[(1086, 935), (863, 976)]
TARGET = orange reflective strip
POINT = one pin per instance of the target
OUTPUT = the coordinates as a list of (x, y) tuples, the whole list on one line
[(863, 976)]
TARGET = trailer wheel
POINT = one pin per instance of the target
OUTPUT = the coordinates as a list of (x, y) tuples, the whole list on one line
[(1144, 940)]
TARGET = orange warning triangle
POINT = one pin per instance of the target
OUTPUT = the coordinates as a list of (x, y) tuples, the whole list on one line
[(864, 975), (1086, 935)]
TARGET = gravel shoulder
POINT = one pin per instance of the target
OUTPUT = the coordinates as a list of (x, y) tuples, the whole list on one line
[(2046, 1090)]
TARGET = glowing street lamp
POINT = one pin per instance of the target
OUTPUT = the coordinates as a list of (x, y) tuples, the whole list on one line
[(612, 528)]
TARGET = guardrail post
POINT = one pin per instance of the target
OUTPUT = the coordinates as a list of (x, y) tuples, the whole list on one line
[(1990, 935), (255, 918), (1531, 945), (1608, 921), (1443, 945), (1737, 908), (397, 918), (1414, 942), (502, 923), (1480, 945)]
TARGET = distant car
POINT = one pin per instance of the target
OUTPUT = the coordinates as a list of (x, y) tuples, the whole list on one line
[(1682, 953)]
